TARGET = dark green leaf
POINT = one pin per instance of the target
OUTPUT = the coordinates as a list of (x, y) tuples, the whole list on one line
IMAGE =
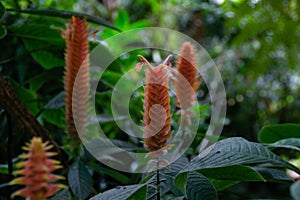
[(3, 31), (236, 173), (236, 151), (123, 192), (200, 188), (2, 11), (273, 133), (128, 146), (40, 32), (56, 102), (105, 119), (112, 173), (62, 195), (146, 178), (223, 184), (103, 150), (29, 97), (179, 198), (80, 180), (181, 181), (273, 174), (55, 117), (3, 169), (179, 164), (44, 54), (139, 194), (295, 190), (170, 174), (48, 76), (44, 43), (291, 143), (66, 14), (111, 77)]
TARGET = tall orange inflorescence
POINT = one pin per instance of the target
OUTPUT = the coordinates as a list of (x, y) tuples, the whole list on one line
[(187, 81), (37, 171), (156, 108), (77, 60)]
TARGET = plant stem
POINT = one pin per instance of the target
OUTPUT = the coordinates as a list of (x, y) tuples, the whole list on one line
[(157, 181), (65, 14)]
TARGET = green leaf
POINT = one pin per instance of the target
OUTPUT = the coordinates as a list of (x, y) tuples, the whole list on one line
[(273, 133), (170, 174), (3, 31), (139, 24), (139, 194), (55, 117), (62, 195), (49, 76), (295, 190), (273, 174), (105, 119), (179, 164), (113, 174), (122, 20), (66, 14), (40, 32), (123, 192), (2, 11), (236, 151), (29, 97), (44, 54), (44, 43), (291, 143), (200, 188), (102, 150), (236, 173), (111, 77), (56, 102), (180, 182), (80, 180), (3, 169), (179, 198), (223, 184)]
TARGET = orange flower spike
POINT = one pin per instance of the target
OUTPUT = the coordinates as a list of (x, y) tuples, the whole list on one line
[(156, 107), (76, 56), (37, 172), (186, 79)]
